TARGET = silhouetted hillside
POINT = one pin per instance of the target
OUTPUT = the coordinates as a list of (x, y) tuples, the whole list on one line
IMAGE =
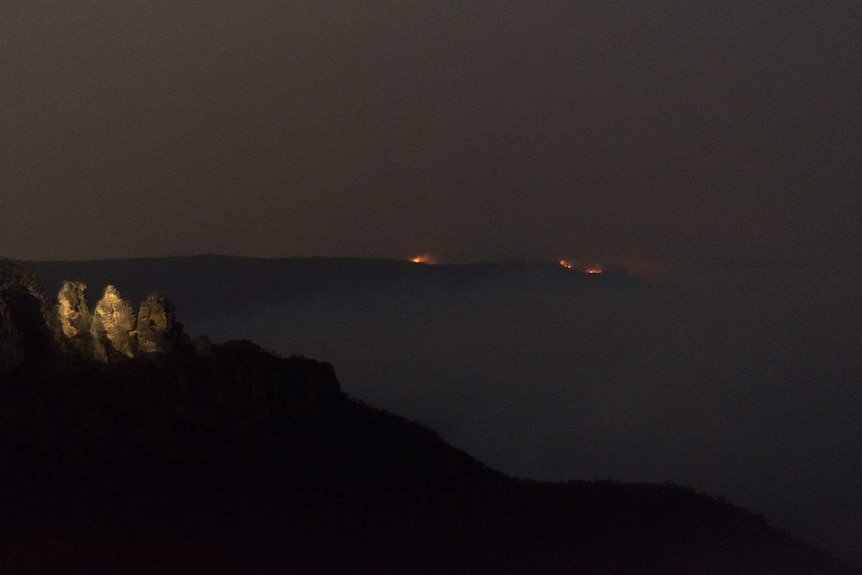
[(229, 459)]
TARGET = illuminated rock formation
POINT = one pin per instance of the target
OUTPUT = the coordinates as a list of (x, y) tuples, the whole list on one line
[(74, 314), (30, 327), (114, 323), (158, 330), (76, 321)]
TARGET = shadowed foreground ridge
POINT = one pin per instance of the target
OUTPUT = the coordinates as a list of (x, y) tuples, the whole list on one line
[(228, 459)]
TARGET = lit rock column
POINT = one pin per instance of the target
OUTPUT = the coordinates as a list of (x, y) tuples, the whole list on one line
[(114, 321), (74, 314), (157, 327)]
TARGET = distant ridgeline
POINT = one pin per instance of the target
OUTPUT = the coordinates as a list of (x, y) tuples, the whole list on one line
[(111, 330)]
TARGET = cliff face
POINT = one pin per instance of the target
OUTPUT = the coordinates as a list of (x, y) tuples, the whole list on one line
[(24, 332), (18, 333)]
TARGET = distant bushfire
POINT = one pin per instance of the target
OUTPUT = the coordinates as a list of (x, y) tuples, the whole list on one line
[(427, 259), (589, 269)]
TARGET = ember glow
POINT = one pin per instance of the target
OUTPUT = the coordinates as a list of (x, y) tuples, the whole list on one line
[(424, 259), (589, 269)]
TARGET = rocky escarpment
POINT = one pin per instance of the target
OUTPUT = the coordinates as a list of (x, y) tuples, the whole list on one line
[(113, 328), (24, 333), (31, 326)]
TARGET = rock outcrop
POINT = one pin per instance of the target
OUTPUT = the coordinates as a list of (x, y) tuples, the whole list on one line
[(24, 332), (76, 321), (30, 327), (113, 329), (158, 330), (114, 323), (72, 309)]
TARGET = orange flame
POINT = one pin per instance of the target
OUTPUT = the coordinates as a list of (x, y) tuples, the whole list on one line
[(589, 269), (427, 259)]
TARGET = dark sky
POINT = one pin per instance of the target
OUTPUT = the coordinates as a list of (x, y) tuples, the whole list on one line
[(477, 130)]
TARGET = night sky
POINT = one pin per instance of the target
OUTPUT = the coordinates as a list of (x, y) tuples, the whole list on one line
[(475, 130)]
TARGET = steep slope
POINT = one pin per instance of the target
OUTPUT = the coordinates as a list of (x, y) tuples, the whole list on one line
[(265, 461)]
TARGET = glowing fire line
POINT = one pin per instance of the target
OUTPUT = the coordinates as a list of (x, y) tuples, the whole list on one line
[(591, 269)]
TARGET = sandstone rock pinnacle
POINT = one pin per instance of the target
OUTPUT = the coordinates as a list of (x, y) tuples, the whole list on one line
[(158, 330), (73, 311), (114, 321), (30, 327)]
